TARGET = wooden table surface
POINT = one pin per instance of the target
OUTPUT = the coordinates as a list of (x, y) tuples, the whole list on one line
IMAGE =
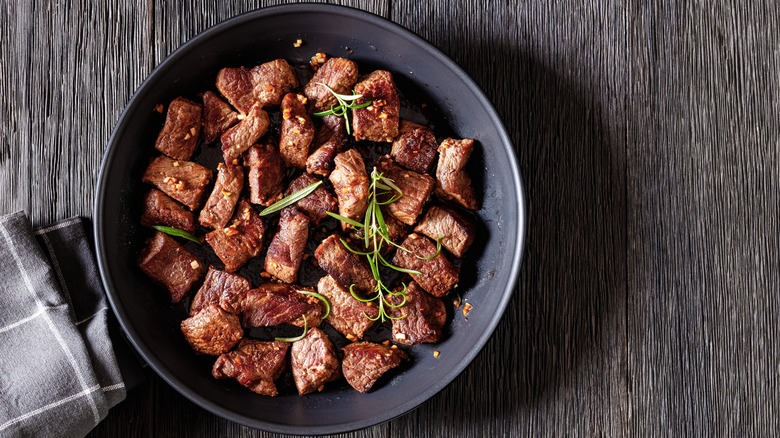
[(647, 133)]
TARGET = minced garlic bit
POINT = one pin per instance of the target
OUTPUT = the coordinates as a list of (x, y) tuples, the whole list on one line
[(351, 337), (226, 193), (301, 120), (317, 60), (298, 43), (195, 264), (159, 108), (187, 137), (286, 113), (466, 309), (241, 116), (382, 116), (436, 353), (400, 336), (175, 164), (230, 231), (193, 130), (301, 98)]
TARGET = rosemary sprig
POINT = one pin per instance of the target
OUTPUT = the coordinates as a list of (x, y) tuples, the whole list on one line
[(319, 297), (299, 337), (291, 199), (346, 102), (176, 232)]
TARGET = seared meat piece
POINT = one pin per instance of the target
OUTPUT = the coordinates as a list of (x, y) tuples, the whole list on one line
[(297, 131), (452, 182), (456, 229), (347, 315), (318, 203), (365, 362), (236, 140), (378, 122), (351, 183), (273, 304), (272, 80), (266, 172), (314, 362), (220, 205), (218, 116), (160, 209), (285, 251), (236, 85), (241, 240), (216, 284), (344, 266), (340, 74), (254, 364), (179, 135), (170, 264), (421, 319), (415, 147), (416, 189), (183, 181), (212, 330), (437, 276), (330, 140)]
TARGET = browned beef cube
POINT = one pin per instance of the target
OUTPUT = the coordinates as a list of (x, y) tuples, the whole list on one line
[(365, 362), (415, 147), (212, 330), (378, 122), (457, 231), (171, 265), (437, 276), (273, 304), (344, 266), (239, 241), (347, 315), (340, 74), (452, 182), (220, 205), (183, 181), (416, 189), (420, 319), (218, 116), (285, 251), (179, 135), (254, 364), (272, 80), (236, 140), (330, 140), (318, 203), (314, 362), (266, 172), (160, 209), (236, 85), (216, 284), (297, 131), (351, 183)]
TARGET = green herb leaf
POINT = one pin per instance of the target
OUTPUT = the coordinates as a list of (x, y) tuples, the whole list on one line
[(438, 250), (319, 297), (290, 200), (346, 220), (346, 103), (299, 337), (176, 232)]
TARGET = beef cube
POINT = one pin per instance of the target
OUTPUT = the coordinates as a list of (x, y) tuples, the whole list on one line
[(330, 140), (453, 183), (236, 140), (365, 362), (218, 116), (420, 319), (273, 304), (456, 230), (212, 330), (236, 85), (378, 122), (416, 189), (241, 240), (171, 265), (285, 251), (318, 203), (254, 364), (415, 147), (220, 205), (266, 172), (344, 266), (160, 209), (179, 136), (340, 74), (314, 362), (437, 276), (297, 131), (272, 80), (347, 315), (216, 284), (351, 183), (183, 181)]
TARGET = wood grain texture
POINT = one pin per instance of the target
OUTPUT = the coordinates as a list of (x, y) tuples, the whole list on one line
[(648, 137)]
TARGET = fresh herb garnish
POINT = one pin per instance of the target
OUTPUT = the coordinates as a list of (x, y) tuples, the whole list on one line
[(291, 199), (319, 297), (176, 232), (299, 337), (346, 102)]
